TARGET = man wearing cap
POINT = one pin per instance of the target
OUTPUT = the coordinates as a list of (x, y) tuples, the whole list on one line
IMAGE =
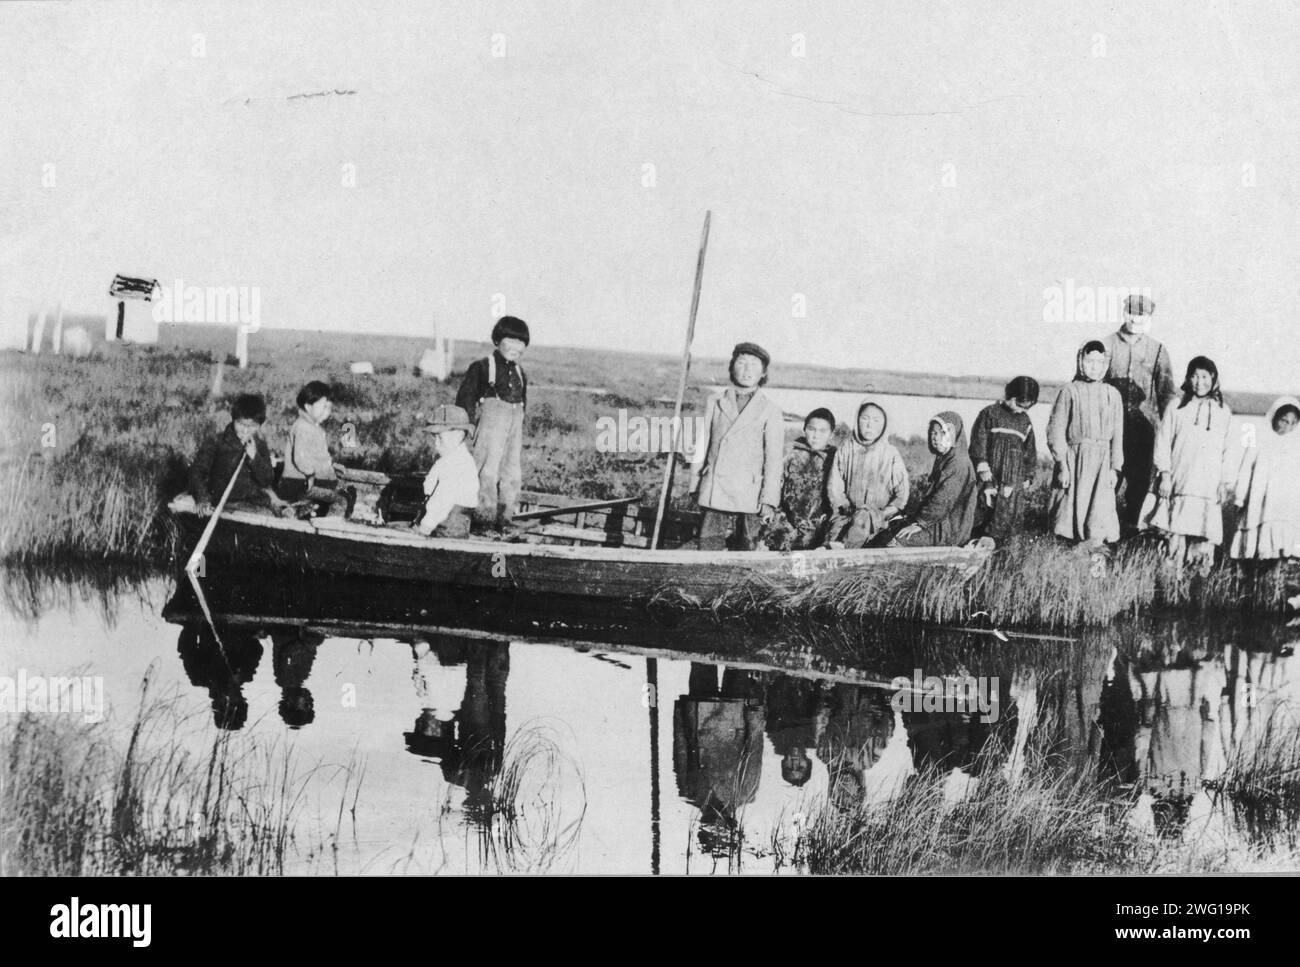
[(736, 475), (1140, 369), (451, 487)]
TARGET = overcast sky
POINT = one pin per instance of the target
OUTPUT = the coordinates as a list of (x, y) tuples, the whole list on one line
[(918, 177)]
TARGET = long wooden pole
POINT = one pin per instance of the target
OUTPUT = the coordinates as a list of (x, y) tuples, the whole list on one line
[(192, 564), (671, 465)]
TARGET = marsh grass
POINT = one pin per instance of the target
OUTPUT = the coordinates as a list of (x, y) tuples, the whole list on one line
[(531, 818), (72, 804), (1034, 583)]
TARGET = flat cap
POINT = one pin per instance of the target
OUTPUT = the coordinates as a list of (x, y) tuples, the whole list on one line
[(752, 349)]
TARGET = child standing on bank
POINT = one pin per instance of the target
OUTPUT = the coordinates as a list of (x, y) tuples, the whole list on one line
[(1192, 463), (218, 456), (451, 487), (1086, 437), (868, 485), (736, 476), (494, 392), (308, 467), (1005, 455), (1268, 489), (804, 511)]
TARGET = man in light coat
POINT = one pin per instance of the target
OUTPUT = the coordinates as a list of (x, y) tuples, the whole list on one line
[(736, 476)]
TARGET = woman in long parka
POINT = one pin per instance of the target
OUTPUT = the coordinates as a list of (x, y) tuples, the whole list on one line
[(1086, 437)]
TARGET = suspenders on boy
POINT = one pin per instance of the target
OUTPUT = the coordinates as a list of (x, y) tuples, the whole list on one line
[(492, 376)]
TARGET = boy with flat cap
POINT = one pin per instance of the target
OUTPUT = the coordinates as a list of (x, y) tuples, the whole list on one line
[(451, 487), (737, 471), (494, 393), (1140, 369)]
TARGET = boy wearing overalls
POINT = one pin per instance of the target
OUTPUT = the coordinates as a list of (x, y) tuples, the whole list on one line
[(494, 392)]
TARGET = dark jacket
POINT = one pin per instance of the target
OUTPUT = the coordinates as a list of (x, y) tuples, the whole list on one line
[(947, 510), (511, 384), (216, 461)]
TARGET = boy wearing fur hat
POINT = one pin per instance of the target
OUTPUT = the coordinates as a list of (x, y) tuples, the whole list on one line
[(736, 476), (451, 487), (802, 517), (494, 392)]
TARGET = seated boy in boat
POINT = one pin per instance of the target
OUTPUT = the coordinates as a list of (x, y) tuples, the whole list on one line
[(737, 474), (219, 456), (947, 510), (451, 487), (868, 484), (801, 519), (308, 473)]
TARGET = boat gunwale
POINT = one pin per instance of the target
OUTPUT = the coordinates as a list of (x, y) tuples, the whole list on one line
[(816, 559)]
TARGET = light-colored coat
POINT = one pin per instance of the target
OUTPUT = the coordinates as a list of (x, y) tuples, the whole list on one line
[(738, 460)]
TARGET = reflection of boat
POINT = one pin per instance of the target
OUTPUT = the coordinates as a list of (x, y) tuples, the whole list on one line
[(590, 550)]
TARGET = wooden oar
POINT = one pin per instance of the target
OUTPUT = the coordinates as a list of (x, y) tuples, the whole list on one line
[(681, 386), (197, 556)]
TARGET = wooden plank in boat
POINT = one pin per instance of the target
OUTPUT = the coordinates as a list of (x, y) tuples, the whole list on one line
[(578, 508)]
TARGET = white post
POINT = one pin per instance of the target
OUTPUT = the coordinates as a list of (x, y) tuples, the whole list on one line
[(38, 334), (57, 340), (241, 334)]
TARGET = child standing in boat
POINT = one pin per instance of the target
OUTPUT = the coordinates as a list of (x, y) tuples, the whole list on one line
[(452, 485), (219, 456), (868, 485), (947, 510), (1191, 461), (737, 472), (1086, 437), (494, 393), (1268, 488), (804, 510), (308, 466), (1005, 455)]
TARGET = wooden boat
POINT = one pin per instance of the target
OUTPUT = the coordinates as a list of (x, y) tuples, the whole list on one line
[(572, 548)]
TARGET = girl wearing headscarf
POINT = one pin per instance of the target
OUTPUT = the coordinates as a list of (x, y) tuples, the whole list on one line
[(868, 485), (947, 511), (1086, 437), (1191, 458), (1268, 488)]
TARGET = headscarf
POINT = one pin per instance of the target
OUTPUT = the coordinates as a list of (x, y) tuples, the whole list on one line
[(1215, 394), (1281, 403), (884, 431), (1078, 361), (954, 427)]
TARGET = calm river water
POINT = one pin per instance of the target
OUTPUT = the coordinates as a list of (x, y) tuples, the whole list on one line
[(649, 761)]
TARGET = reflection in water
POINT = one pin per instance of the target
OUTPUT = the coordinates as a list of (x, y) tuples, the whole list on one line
[(717, 748), (293, 652), (223, 667), (466, 733), (1153, 713)]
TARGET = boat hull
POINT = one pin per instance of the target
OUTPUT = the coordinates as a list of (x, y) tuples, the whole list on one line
[(333, 546)]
